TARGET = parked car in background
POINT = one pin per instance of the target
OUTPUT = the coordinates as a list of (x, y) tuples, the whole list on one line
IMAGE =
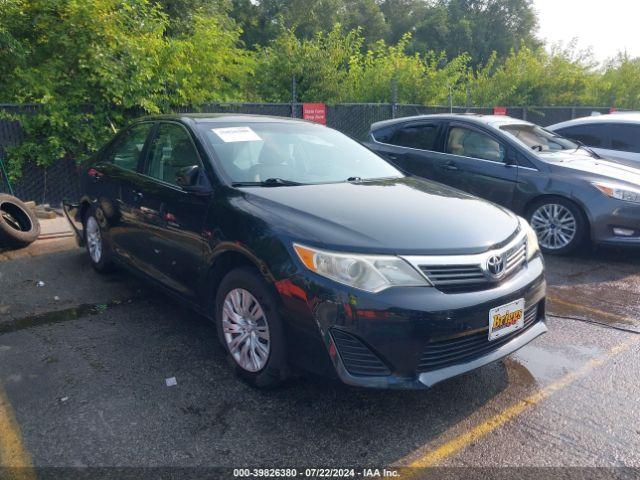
[(566, 191), (307, 249), (615, 136)]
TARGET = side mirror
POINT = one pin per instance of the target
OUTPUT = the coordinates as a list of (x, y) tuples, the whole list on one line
[(188, 176), (511, 158)]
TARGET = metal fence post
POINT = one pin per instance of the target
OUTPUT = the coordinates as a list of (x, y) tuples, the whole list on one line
[(524, 113), (293, 96), (394, 97), (450, 98)]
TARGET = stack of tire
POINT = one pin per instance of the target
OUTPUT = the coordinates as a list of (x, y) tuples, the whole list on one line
[(19, 225)]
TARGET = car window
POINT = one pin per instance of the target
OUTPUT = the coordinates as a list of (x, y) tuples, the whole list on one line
[(170, 152), (537, 138), (384, 135), (594, 135), (420, 136), (625, 137), (470, 143), (127, 150)]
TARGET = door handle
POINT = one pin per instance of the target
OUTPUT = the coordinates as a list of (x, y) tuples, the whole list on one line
[(450, 166), (392, 157)]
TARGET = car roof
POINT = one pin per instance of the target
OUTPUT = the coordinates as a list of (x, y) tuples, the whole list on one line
[(225, 118), (468, 117), (617, 117)]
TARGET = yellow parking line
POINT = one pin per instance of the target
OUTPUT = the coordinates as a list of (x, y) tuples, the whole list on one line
[(595, 311), (462, 441), (12, 451)]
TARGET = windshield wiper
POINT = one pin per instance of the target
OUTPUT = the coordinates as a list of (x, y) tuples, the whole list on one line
[(584, 147), (269, 182)]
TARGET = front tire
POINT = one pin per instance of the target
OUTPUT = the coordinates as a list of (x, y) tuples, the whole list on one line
[(250, 328), (98, 248), (560, 225)]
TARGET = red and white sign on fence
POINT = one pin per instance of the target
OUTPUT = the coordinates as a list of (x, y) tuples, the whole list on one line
[(499, 110), (316, 112)]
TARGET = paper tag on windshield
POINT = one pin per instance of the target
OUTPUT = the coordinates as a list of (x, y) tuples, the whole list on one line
[(236, 134)]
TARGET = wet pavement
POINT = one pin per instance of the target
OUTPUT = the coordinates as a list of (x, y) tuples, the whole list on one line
[(84, 359)]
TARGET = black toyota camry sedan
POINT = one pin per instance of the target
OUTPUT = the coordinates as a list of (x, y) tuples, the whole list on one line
[(309, 251), (567, 192)]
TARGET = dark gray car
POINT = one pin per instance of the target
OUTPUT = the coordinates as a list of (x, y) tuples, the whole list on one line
[(565, 190)]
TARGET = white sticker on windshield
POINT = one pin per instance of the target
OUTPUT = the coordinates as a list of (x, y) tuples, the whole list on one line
[(236, 134)]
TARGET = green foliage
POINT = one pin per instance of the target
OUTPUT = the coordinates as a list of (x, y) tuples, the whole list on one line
[(320, 66), (535, 77), (417, 79), (620, 85), (93, 64)]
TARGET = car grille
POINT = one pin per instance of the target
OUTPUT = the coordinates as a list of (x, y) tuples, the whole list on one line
[(468, 278), (444, 353), (356, 356)]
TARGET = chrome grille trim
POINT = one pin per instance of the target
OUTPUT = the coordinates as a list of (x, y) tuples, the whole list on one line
[(460, 271)]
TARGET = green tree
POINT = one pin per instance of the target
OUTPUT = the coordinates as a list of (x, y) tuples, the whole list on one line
[(264, 20), (93, 64), (320, 65), (620, 84), (477, 27)]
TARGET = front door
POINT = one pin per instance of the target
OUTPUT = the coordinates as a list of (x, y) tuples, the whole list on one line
[(173, 217), (476, 162)]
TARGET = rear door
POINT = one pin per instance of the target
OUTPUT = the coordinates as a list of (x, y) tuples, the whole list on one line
[(476, 161), (114, 180), (173, 216), (412, 146)]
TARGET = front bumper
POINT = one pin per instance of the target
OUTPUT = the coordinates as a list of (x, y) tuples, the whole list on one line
[(395, 327), (609, 214)]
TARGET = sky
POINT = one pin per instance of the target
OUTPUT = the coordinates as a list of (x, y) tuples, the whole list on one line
[(607, 26)]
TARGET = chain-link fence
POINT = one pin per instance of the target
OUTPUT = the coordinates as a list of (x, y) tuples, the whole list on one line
[(60, 180)]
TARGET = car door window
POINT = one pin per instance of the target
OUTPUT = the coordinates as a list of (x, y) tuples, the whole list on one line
[(470, 143), (170, 152), (625, 138), (126, 151), (594, 135), (420, 136)]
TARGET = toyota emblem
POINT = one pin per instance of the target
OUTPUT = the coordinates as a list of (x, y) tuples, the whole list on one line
[(495, 265)]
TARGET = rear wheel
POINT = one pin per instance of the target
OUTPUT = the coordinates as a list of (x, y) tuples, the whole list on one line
[(97, 245), (559, 224), (250, 328)]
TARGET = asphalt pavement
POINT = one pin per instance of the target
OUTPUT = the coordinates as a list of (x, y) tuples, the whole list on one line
[(85, 358)]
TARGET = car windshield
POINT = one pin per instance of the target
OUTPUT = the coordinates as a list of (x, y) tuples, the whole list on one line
[(279, 153), (538, 138)]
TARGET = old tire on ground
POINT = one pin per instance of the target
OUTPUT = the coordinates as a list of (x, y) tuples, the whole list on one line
[(250, 328), (19, 226)]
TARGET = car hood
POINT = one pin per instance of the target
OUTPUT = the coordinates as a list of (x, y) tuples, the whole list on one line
[(400, 216), (601, 167)]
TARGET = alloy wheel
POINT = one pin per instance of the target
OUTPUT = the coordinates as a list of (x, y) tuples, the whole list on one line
[(94, 240), (246, 330), (555, 226)]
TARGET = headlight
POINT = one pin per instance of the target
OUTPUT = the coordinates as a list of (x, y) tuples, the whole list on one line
[(372, 273), (627, 194), (532, 239)]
